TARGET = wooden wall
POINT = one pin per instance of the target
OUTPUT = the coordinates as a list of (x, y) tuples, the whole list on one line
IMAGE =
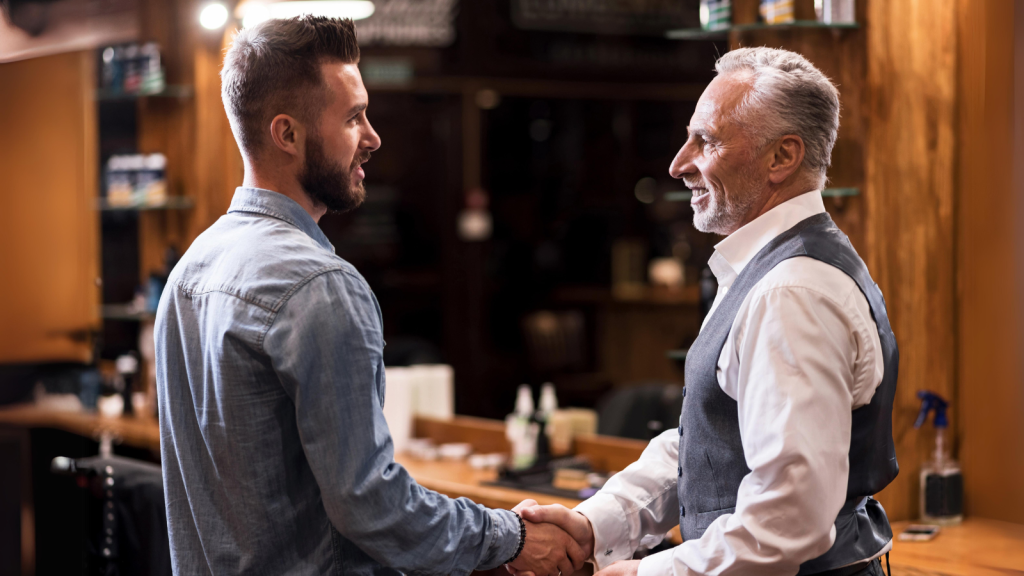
[(991, 374), (49, 297), (910, 176), (203, 161)]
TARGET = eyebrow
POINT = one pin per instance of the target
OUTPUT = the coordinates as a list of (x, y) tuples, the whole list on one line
[(357, 109), (702, 132)]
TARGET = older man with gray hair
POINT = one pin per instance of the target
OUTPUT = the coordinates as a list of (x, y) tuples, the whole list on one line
[(786, 430)]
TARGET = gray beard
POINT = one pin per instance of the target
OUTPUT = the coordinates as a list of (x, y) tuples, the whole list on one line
[(721, 218)]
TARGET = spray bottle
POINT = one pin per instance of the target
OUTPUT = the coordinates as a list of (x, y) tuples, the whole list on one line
[(942, 484), (522, 431)]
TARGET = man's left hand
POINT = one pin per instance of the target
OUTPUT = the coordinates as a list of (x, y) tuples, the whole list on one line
[(624, 568)]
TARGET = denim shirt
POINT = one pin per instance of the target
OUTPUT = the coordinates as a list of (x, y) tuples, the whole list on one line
[(276, 456)]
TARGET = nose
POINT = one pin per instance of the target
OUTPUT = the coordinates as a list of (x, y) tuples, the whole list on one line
[(683, 164), (371, 141)]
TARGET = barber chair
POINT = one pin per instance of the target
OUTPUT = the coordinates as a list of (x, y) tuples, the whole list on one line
[(126, 527)]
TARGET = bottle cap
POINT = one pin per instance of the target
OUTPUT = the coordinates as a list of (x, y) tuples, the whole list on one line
[(548, 399), (932, 401), (524, 401)]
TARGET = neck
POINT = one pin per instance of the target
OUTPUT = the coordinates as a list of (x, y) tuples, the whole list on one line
[(775, 196), (286, 186)]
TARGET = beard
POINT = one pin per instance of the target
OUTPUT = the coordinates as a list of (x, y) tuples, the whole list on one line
[(328, 183), (724, 212)]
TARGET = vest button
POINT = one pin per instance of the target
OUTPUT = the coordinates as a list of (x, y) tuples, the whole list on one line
[(682, 511)]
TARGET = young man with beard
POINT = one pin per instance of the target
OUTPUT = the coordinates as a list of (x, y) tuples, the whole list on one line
[(269, 353), (786, 428)]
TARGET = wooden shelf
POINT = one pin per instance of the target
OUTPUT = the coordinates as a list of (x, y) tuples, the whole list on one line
[(650, 295), (171, 203), (125, 312), (723, 34), (169, 91), (685, 195)]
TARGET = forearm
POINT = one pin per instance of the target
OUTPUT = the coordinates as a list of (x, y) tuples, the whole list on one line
[(408, 527), (637, 501)]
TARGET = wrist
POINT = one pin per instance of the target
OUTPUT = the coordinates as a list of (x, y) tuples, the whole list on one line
[(589, 541), (522, 539)]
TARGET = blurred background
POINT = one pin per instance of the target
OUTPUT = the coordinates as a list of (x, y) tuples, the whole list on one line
[(520, 223)]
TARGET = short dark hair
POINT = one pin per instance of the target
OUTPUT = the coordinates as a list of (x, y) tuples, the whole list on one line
[(274, 68)]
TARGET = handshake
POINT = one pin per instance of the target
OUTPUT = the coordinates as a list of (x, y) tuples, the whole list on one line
[(558, 542)]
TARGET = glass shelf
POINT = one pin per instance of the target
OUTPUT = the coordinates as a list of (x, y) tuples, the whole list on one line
[(125, 312), (171, 203), (685, 195), (723, 34), (169, 91), (677, 355)]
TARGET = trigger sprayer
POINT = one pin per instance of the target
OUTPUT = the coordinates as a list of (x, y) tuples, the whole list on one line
[(942, 485)]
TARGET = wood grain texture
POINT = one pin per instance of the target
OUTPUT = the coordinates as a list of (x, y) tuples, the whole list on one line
[(975, 548), (218, 163), (137, 432), (840, 55), (49, 228), (910, 158), (991, 375)]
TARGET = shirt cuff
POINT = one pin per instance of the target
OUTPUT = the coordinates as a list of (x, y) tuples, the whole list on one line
[(504, 539), (660, 564), (611, 529)]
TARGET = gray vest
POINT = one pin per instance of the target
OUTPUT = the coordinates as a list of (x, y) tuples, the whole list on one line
[(711, 461)]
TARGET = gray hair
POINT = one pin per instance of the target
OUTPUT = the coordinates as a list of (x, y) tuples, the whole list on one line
[(788, 95)]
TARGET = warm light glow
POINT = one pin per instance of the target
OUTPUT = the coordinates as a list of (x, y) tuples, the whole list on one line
[(256, 12), (213, 16)]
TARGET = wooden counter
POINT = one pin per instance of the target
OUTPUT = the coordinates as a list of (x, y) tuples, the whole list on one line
[(134, 431), (457, 479), (978, 547)]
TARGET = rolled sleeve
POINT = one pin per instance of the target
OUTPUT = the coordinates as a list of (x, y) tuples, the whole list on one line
[(326, 346)]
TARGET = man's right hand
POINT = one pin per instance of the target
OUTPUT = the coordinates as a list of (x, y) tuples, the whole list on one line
[(548, 551), (574, 524)]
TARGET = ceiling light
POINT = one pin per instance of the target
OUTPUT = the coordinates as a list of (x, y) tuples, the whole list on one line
[(213, 16), (256, 12)]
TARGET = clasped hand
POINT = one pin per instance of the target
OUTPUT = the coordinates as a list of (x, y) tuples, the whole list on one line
[(558, 540)]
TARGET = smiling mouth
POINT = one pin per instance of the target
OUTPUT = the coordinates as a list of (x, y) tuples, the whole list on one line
[(698, 192)]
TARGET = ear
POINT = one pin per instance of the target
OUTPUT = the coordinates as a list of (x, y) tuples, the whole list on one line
[(288, 135), (787, 156)]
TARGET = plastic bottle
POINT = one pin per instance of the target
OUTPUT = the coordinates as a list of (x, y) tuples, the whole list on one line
[(548, 405), (548, 401), (522, 431), (942, 484)]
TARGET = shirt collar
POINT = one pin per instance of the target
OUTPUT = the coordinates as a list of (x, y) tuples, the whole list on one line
[(270, 203), (737, 250)]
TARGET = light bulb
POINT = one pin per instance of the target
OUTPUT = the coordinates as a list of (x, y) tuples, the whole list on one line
[(213, 16)]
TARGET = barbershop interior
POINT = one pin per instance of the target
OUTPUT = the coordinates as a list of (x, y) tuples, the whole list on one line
[(536, 261)]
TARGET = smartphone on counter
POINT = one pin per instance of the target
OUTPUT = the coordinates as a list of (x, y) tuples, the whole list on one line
[(919, 533)]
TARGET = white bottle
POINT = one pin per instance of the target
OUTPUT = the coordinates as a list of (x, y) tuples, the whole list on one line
[(521, 431), (548, 402)]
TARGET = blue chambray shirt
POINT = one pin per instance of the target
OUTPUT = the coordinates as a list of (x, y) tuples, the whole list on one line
[(276, 456)]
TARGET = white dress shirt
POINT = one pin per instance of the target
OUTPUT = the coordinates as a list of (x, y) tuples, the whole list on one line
[(803, 353)]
